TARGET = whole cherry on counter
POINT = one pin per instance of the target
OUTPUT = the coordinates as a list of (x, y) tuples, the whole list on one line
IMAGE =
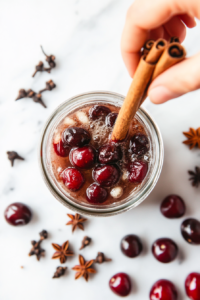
[(190, 229), (164, 250), (131, 245), (120, 284), (17, 214), (172, 207), (163, 290), (192, 286)]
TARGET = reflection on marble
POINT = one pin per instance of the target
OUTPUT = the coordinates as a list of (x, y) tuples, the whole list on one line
[(85, 37)]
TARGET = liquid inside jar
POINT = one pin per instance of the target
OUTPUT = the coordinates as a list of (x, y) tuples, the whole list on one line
[(91, 168)]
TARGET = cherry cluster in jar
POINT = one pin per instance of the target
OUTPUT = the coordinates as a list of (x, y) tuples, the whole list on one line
[(104, 161)]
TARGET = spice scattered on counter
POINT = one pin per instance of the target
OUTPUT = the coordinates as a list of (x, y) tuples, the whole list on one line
[(36, 246), (60, 271), (76, 221), (36, 97), (85, 242), (12, 155), (101, 258), (40, 68), (50, 59), (62, 252), (50, 85), (84, 269), (195, 176), (193, 138)]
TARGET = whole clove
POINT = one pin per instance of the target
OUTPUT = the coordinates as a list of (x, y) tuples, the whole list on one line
[(22, 94), (101, 258), (40, 68), (85, 242), (50, 59), (12, 155), (50, 85), (38, 99), (60, 271), (36, 246)]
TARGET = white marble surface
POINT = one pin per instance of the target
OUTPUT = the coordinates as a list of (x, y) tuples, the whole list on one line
[(85, 36)]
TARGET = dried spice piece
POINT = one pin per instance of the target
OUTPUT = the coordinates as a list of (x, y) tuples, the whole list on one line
[(84, 268), (193, 138), (21, 94), (50, 85), (76, 221), (36, 247), (85, 242), (60, 271), (101, 258), (40, 68), (174, 39), (38, 99), (62, 252), (30, 93), (12, 155), (50, 59), (195, 177)]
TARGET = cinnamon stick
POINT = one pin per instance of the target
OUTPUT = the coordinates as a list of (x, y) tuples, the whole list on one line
[(147, 47), (174, 39)]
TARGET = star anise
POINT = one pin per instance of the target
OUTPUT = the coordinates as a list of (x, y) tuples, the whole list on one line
[(62, 252), (195, 176), (85, 242), (101, 258), (84, 268), (76, 221), (12, 155), (193, 138), (36, 247), (60, 271)]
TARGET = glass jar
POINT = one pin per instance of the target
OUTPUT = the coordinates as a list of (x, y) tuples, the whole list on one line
[(135, 197)]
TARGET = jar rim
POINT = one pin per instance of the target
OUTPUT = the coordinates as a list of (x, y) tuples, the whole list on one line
[(113, 210)]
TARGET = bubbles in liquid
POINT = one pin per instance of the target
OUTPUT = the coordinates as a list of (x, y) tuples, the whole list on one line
[(100, 132)]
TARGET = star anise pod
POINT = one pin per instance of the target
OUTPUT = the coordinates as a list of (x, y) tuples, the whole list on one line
[(60, 271), (12, 155), (195, 176), (85, 242), (62, 252), (193, 138), (76, 221), (101, 258), (84, 268)]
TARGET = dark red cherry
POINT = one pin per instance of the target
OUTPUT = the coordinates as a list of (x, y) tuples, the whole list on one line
[(17, 214), (192, 286), (139, 144), (98, 112), (164, 250), (163, 290), (120, 284), (190, 229), (106, 175), (83, 158), (172, 207), (75, 137), (60, 149), (72, 178), (131, 245), (138, 170), (96, 194), (110, 119), (109, 154)]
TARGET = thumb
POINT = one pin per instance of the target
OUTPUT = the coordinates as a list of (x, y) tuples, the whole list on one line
[(176, 81)]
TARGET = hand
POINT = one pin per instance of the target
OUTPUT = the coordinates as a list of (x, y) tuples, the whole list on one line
[(153, 19)]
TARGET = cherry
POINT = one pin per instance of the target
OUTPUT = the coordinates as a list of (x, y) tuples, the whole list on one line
[(172, 207), (106, 175), (96, 194), (72, 178), (192, 286), (60, 149), (138, 170), (164, 250), (98, 112), (131, 245), (109, 153), (190, 229), (163, 290), (110, 119), (75, 137), (139, 144), (83, 158), (17, 214), (120, 284)]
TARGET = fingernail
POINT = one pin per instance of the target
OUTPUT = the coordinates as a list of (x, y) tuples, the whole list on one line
[(161, 94)]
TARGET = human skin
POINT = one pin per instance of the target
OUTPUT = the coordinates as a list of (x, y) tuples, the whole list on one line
[(153, 19)]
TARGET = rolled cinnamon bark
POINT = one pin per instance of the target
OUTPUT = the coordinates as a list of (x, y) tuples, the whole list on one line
[(174, 39), (147, 47)]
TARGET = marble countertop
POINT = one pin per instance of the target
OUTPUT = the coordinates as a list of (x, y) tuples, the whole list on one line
[(85, 37)]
